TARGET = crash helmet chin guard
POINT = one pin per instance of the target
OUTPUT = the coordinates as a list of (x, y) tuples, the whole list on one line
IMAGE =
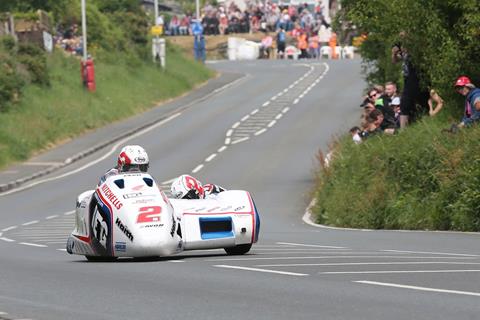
[(187, 187), (133, 158)]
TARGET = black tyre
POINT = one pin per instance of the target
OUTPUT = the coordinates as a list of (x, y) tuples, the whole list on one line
[(238, 250), (100, 259)]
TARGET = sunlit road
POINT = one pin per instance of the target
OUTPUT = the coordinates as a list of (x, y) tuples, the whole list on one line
[(262, 134)]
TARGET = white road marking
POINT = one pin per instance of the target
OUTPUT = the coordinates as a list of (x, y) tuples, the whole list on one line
[(363, 264), (227, 141), (262, 270), (333, 257), (92, 163), (438, 253), (222, 149), (386, 284), (3, 313), (51, 217), (259, 132), (245, 117), (69, 213), (211, 157), (399, 271), (169, 181), (236, 125), (9, 228), (33, 244), (176, 261), (296, 101), (254, 112), (309, 245), (33, 163), (197, 168), (65, 250), (272, 123), (278, 116), (266, 104), (30, 222), (7, 239), (229, 133), (285, 110), (240, 140)]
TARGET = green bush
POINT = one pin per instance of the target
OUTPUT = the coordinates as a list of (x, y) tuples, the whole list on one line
[(35, 61)]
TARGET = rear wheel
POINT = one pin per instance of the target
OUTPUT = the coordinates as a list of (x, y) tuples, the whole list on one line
[(238, 250), (100, 259)]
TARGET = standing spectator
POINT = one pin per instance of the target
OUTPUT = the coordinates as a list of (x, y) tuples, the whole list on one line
[(266, 46), (466, 88), (302, 45), (223, 26), (313, 47), (412, 94), (281, 41)]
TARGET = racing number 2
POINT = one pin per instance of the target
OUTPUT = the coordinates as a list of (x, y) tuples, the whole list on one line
[(149, 214)]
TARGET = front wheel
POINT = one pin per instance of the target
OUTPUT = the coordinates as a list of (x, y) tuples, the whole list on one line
[(238, 250)]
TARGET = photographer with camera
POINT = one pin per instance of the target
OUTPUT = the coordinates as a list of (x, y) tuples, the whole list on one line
[(412, 94)]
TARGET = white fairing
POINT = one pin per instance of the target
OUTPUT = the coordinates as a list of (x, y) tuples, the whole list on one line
[(128, 216)]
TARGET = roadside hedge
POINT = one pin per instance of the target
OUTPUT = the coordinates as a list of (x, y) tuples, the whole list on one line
[(423, 177)]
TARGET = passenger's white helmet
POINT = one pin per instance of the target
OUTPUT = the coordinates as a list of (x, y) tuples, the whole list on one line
[(133, 158), (187, 187)]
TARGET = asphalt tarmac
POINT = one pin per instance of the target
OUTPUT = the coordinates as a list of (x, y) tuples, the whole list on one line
[(257, 128)]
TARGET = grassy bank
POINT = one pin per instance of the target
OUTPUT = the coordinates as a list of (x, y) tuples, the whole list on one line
[(422, 178), (51, 114)]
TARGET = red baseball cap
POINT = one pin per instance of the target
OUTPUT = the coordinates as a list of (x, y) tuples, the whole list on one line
[(463, 81)]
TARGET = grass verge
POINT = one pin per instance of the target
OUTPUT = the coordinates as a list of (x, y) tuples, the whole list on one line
[(421, 178), (49, 115)]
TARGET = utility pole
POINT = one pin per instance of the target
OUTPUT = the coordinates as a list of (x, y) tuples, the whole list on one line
[(197, 5), (158, 45), (84, 31)]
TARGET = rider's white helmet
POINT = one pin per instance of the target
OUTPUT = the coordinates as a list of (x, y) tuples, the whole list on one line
[(133, 158), (187, 187)]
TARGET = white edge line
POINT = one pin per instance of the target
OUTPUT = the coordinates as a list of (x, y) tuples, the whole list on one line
[(169, 181), (278, 116), (106, 155), (64, 250), (33, 244), (296, 101), (236, 125), (240, 140), (228, 140), (197, 168), (364, 264), (308, 219), (285, 110), (261, 270), (211, 157), (30, 222), (400, 271), (309, 245), (7, 239), (266, 104), (69, 213), (245, 117), (272, 123), (51, 217), (437, 253), (221, 149), (259, 132), (9, 228), (386, 284), (229, 133), (254, 112)]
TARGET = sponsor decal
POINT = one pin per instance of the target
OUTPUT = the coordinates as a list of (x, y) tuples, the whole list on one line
[(143, 201), (124, 229), (200, 209), (226, 208), (213, 209), (239, 208), (120, 246), (111, 197), (156, 225), (132, 195), (140, 159)]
